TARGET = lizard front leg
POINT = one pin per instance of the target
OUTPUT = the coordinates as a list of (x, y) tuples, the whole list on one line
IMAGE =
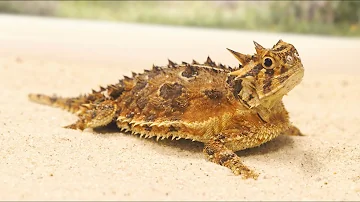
[(95, 115), (217, 152)]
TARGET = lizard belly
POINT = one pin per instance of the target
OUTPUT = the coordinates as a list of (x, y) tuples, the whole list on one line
[(260, 137)]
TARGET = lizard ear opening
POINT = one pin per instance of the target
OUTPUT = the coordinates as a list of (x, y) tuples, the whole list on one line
[(243, 59)]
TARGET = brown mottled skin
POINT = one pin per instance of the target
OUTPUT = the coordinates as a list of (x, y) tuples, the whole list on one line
[(228, 109)]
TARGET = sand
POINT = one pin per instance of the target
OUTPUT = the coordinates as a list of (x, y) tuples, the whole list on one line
[(40, 160)]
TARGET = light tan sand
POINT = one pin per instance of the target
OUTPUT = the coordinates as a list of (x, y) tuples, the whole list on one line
[(40, 160)]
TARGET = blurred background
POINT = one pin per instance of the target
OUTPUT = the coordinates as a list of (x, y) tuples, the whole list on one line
[(339, 18)]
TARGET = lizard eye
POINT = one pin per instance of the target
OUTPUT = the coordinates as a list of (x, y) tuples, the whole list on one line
[(268, 63)]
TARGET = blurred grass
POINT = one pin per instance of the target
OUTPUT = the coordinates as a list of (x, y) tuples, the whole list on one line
[(196, 13), (321, 17)]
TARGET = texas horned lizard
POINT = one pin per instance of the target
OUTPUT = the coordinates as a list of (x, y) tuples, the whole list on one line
[(228, 109)]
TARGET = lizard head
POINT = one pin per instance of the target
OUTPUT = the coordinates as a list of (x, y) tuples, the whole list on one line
[(269, 74)]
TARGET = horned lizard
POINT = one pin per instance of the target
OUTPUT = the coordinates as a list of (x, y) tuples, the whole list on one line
[(226, 108)]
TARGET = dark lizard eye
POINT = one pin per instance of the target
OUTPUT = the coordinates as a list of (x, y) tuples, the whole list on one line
[(268, 63)]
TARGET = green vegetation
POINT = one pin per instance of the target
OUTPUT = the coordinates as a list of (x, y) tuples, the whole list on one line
[(310, 17)]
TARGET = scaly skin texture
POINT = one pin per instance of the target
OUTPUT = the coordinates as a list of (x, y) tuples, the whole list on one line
[(228, 109)]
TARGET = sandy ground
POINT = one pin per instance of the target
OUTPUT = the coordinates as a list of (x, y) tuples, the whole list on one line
[(40, 160)]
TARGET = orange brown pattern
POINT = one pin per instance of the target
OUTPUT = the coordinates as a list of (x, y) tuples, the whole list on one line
[(228, 109)]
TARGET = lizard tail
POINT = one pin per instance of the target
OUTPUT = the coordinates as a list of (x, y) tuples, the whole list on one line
[(76, 104), (72, 105)]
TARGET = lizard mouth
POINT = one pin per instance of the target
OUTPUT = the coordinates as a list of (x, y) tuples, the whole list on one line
[(286, 82), (293, 77)]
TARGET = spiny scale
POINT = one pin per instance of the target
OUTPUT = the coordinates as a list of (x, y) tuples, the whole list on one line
[(171, 64)]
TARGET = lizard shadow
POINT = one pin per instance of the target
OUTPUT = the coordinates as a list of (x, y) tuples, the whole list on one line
[(187, 149), (281, 142), (112, 130)]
